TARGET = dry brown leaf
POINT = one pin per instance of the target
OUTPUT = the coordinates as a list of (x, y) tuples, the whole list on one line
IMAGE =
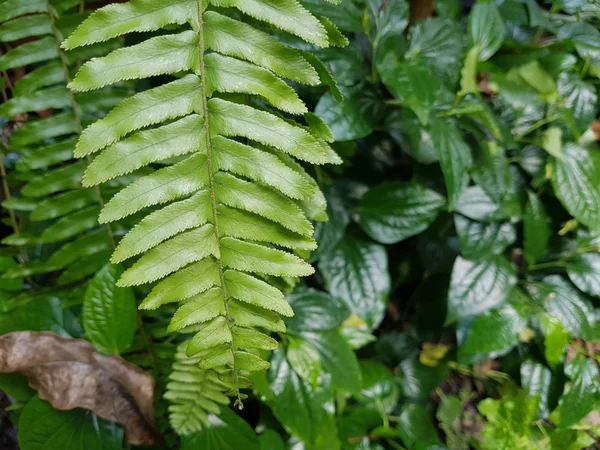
[(70, 373)]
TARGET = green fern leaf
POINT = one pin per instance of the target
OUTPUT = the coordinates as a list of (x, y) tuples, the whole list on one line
[(193, 393), (46, 145), (236, 196)]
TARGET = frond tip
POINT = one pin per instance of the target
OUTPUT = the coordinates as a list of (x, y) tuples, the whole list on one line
[(235, 206)]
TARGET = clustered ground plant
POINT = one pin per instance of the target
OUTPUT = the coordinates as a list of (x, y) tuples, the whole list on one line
[(300, 225)]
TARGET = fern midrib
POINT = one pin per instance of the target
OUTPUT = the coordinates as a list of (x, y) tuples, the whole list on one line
[(76, 111), (211, 182)]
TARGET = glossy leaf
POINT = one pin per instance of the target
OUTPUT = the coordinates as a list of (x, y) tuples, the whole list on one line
[(477, 287), (356, 271), (390, 213), (109, 312)]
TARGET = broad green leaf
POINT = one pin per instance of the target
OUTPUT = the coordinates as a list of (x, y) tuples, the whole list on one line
[(552, 142), (393, 212), (357, 272), (536, 229), (271, 440), (534, 74), (109, 312), (416, 427), (316, 311), (347, 120), (492, 334), (537, 380), (328, 234), (579, 401), (580, 99), (486, 29), (304, 412), (304, 359), (41, 427), (419, 381), (562, 301), (584, 272), (337, 358), (378, 387), (455, 157), (555, 339), (227, 431), (412, 83), (477, 287), (440, 42), (475, 204), (480, 240), (42, 313)]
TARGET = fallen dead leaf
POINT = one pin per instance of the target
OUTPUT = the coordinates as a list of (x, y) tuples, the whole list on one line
[(70, 373)]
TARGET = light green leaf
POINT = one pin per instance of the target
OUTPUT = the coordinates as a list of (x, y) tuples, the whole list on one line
[(156, 56), (156, 105)]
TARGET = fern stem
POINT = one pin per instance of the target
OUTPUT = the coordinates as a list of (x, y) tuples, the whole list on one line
[(76, 111), (211, 180), (5, 187)]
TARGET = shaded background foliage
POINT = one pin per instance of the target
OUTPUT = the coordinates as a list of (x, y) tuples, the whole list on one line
[(455, 303)]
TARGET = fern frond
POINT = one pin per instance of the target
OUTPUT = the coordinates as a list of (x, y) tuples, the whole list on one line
[(193, 393), (46, 145), (229, 214)]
